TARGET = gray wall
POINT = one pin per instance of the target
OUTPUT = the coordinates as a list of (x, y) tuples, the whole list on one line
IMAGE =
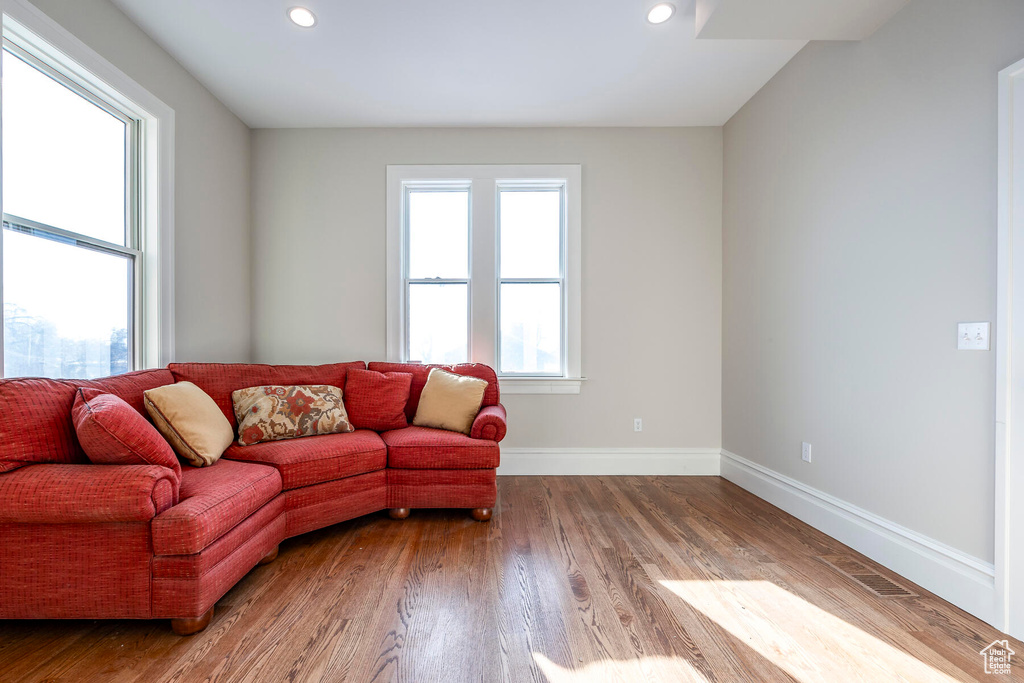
[(212, 248), (859, 227), (651, 266)]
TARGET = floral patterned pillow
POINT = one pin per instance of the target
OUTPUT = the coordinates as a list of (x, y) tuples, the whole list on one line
[(272, 412)]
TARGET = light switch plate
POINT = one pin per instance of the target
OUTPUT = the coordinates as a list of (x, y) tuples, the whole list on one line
[(972, 336)]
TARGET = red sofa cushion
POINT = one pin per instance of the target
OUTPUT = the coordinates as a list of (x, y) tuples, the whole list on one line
[(220, 379), (212, 501), (112, 433), (129, 387), (316, 459), (376, 400), (423, 448), (36, 425), (420, 372)]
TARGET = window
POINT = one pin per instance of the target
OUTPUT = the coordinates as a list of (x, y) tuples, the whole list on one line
[(530, 279), (483, 266), (85, 244), (437, 273), (68, 219)]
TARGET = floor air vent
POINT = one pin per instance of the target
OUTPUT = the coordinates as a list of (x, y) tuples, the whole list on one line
[(870, 579)]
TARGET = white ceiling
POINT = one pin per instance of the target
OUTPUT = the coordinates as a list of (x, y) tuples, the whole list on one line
[(802, 19), (460, 62)]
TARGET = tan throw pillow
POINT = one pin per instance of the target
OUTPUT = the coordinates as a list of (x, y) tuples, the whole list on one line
[(190, 421), (272, 412), (449, 401)]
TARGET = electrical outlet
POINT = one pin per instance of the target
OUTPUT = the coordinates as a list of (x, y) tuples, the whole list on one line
[(805, 452), (638, 424)]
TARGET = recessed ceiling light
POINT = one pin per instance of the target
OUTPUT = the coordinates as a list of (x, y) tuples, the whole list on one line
[(303, 17), (661, 13)]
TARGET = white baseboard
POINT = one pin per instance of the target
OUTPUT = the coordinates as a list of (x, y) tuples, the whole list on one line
[(965, 581), (610, 461)]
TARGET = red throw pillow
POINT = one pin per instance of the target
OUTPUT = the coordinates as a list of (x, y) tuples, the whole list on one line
[(113, 433), (376, 400)]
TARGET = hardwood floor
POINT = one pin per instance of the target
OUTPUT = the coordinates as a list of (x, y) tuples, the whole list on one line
[(574, 579)]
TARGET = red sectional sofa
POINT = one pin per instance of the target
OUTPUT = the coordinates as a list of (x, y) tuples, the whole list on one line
[(81, 540)]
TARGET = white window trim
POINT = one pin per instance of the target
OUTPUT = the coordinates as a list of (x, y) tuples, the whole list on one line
[(49, 42), (540, 385), (484, 267), (1008, 613)]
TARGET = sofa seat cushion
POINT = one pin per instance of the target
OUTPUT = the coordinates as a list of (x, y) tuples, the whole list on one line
[(211, 502), (424, 448), (316, 459)]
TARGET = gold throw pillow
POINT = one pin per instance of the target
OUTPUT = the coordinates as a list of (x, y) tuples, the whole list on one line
[(190, 421), (449, 401)]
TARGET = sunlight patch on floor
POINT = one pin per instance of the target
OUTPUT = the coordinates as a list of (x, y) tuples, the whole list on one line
[(798, 637), (638, 669)]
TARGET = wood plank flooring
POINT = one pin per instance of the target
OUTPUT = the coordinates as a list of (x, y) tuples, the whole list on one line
[(575, 579)]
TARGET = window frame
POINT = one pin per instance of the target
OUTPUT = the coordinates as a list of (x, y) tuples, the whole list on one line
[(485, 182), (408, 282), (530, 185), (132, 177), (149, 240)]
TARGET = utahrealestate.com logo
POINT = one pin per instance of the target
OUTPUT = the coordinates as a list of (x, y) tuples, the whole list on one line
[(997, 657)]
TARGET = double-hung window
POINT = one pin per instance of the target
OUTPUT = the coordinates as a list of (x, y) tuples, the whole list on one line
[(79, 241), (484, 266)]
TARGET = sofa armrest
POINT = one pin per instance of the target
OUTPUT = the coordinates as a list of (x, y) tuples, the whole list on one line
[(54, 494), (490, 424)]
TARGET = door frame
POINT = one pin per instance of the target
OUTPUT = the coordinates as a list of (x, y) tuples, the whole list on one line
[(1009, 345)]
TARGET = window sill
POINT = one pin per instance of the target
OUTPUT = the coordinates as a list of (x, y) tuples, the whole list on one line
[(540, 385)]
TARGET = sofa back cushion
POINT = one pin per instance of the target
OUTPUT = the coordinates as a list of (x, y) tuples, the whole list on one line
[(112, 433), (220, 379), (128, 387), (420, 373), (36, 425), (376, 400)]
